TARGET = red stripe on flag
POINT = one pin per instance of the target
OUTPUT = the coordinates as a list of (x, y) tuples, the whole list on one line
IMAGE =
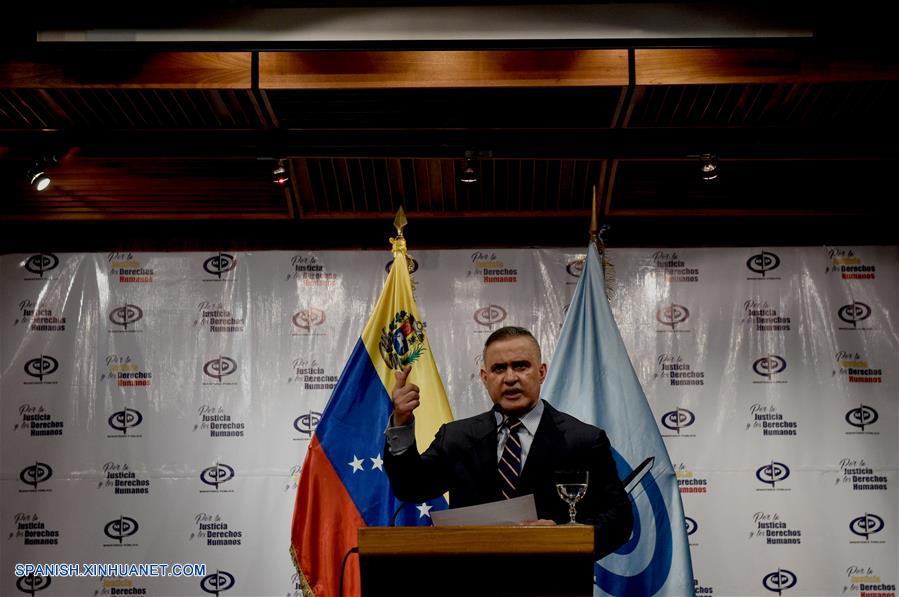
[(325, 522)]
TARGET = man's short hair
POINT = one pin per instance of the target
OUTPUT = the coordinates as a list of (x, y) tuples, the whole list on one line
[(508, 332)]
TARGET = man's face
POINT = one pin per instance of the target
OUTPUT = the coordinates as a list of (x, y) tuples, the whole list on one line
[(512, 374)]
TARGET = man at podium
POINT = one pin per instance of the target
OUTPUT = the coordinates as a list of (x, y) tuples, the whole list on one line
[(519, 447)]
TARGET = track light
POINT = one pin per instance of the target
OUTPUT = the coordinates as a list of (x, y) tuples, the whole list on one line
[(39, 179), (709, 168), (280, 175), (469, 174), (37, 175)]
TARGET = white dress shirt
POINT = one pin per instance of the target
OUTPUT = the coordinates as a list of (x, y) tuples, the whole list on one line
[(401, 438)]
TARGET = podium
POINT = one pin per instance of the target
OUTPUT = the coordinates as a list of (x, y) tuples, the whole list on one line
[(507, 561)]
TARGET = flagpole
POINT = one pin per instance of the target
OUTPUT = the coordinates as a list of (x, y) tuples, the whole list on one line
[(596, 238)]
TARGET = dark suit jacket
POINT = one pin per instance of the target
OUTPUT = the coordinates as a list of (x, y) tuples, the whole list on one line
[(462, 460)]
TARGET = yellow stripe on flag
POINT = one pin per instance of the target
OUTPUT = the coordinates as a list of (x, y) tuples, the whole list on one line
[(395, 332)]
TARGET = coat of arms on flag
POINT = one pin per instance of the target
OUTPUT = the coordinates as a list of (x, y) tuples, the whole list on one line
[(402, 341)]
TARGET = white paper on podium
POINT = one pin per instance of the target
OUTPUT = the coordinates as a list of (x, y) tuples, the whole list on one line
[(513, 511)]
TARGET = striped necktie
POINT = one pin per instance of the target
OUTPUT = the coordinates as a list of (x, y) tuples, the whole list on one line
[(509, 467)]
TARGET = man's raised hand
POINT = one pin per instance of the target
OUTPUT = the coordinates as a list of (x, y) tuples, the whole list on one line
[(405, 397)]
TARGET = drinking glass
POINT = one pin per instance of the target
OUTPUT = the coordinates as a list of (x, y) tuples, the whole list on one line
[(572, 487)]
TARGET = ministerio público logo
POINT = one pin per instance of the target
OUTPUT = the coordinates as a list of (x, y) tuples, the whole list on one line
[(35, 474), (217, 582), (490, 316), (762, 263), (119, 529), (306, 320), (866, 525), (575, 268), (125, 316), (216, 475), (220, 264), (690, 525), (219, 368), (39, 264), (124, 420), (672, 315), (862, 417), (772, 473), (41, 366), (32, 584), (769, 366), (779, 581), (306, 423), (676, 420), (854, 313)]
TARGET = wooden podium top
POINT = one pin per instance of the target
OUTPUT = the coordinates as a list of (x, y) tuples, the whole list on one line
[(476, 540)]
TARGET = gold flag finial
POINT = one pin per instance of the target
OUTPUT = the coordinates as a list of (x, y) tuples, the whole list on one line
[(594, 226), (399, 222)]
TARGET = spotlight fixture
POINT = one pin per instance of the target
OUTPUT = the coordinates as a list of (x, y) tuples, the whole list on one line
[(280, 175), (38, 178), (469, 175), (37, 174), (709, 168)]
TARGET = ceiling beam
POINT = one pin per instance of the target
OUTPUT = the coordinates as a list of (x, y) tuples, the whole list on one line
[(109, 69), (719, 66), (136, 68), (456, 69)]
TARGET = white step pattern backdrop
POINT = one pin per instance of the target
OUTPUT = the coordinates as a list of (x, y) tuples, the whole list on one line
[(156, 407)]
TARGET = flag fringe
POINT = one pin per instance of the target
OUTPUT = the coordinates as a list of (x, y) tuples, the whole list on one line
[(608, 269), (304, 584)]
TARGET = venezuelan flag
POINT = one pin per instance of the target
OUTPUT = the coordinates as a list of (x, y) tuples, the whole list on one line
[(342, 483)]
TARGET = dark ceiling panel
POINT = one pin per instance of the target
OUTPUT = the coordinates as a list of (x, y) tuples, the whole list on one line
[(331, 187), (20, 109), (522, 108), (762, 187), (765, 105), (167, 189), (128, 109)]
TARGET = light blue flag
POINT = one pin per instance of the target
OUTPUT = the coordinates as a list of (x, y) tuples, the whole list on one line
[(592, 379)]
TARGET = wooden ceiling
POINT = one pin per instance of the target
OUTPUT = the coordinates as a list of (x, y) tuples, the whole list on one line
[(145, 138)]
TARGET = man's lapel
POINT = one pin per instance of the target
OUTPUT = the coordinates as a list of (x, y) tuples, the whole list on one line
[(540, 459), (484, 434)]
